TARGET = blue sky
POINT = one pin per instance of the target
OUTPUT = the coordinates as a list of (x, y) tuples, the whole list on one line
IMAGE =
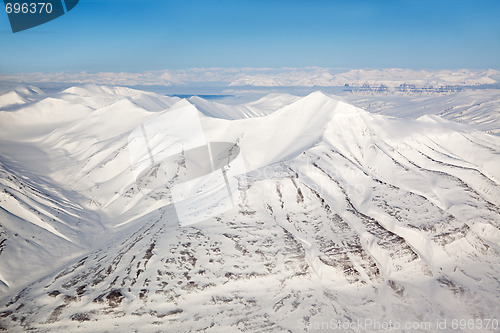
[(143, 35)]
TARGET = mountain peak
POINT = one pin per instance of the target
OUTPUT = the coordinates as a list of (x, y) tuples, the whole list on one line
[(337, 211)]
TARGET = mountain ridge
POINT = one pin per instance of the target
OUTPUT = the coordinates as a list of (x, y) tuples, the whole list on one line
[(341, 214)]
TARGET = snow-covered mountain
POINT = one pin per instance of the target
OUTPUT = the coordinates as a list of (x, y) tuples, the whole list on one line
[(272, 77), (480, 108), (342, 215)]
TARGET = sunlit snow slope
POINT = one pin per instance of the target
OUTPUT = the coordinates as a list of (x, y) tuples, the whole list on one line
[(344, 215), (480, 108)]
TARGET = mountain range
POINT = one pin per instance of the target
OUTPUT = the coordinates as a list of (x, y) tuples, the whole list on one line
[(341, 215)]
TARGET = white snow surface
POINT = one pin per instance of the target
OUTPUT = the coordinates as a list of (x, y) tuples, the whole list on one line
[(480, 108), (344, 215)]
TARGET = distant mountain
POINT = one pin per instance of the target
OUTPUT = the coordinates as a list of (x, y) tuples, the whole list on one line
[(19, 96), (273, 77), (478, 107), (340, 216)]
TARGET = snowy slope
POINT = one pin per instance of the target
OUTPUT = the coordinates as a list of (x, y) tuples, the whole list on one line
[(344, 215), (480, 108), (393, 77), (262, 107), (19, 96)]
